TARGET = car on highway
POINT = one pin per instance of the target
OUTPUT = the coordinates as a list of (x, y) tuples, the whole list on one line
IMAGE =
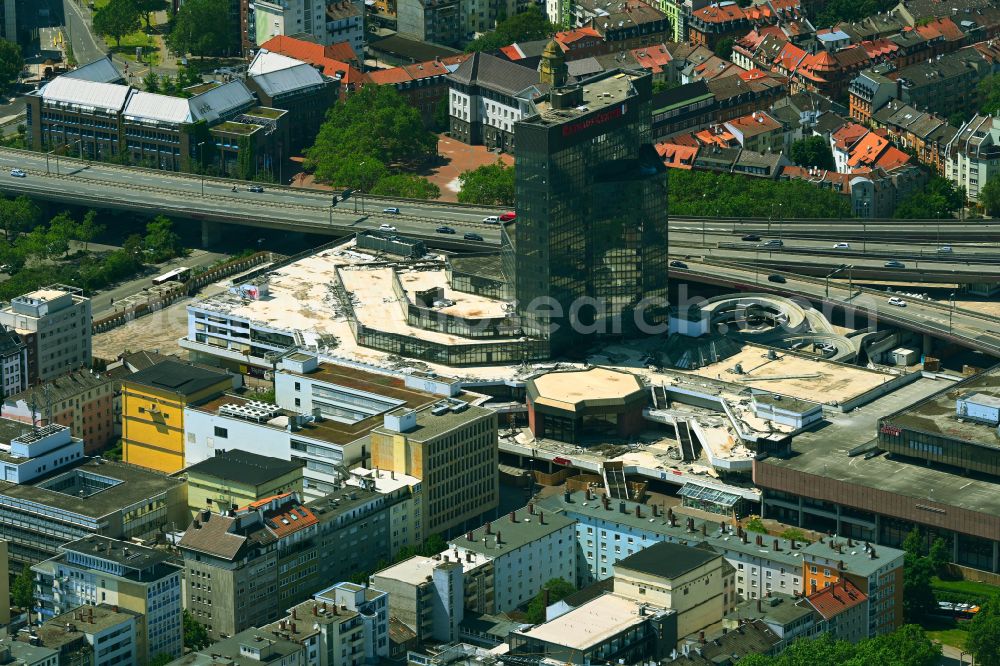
[(18, 173), (751, 237), (678, 264), (944, 249), (473, 237), (386, 227), (392, 210), (509, 216), (492, 219), (776, 278), (774, 242), (842, 246), (255, 188), (897, 301), (895, 264), (445, 230)]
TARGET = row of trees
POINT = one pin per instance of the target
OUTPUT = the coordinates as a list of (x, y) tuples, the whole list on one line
[(489, 185), (907, 646), (939, 199), (37, 251), (200, 27), (529, 24), (372, 141), (166, 85), (726, 195)]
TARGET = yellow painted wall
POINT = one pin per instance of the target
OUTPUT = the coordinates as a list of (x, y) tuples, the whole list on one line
[(153, 424), (202, 488)]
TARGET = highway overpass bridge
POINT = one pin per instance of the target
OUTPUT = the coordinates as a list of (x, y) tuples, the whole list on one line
[(211, 201)]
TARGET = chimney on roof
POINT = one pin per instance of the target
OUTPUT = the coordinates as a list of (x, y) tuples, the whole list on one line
[(314, 610), (776, 546), (468, 535), (293, 628), (294, 615), (701, 637), (531, 508), (638, 511), (513, 517), (498, 539), (704, 529), (489, 527), (840, 565), (196, 524), (541, 517)]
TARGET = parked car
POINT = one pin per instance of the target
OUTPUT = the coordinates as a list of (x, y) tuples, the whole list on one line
[(391, 210), (751, 237), (508, 216), (18, 173), (445, 230), (776, 278), (386, 227), (473, 237), (255, 188), (895, 264), (897, 301), (842, 246), (678, 264)]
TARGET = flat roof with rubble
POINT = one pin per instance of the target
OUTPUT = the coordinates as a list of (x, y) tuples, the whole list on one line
[(414, 570), (936, 415), (795, 376)]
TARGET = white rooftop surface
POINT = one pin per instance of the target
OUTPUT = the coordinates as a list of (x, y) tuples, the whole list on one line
[(470, 559), (108, 96), (466, 305), (162, 108), (377, 307), (385, 481), (266, 62), (413, 571), (590, 624)]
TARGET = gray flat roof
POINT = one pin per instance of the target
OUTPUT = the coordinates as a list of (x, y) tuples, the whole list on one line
[(430, 425), (524, 529), (779, 608), (937, 415), (136, 484), (824, 452)]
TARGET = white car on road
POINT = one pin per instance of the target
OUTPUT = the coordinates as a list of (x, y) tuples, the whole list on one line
[(18, 173), (842, 246), (386, 227), (897, 301)]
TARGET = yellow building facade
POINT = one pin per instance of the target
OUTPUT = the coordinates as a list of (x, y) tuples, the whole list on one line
[(237, 478), (153, 402)]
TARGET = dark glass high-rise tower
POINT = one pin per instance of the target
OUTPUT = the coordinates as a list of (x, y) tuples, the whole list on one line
[(590, 243)]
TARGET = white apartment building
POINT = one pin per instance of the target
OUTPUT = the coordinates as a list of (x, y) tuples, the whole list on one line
[(54, 324), (527, 549), (27, 453), (973, 156), (314, 20), (405, 516), (373, 607)]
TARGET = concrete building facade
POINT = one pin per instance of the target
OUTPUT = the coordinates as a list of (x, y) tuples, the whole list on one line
[(54, 324)]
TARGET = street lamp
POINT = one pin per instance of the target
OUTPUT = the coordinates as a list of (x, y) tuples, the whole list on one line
[(831, 274), (864, 229), (201, 163), (951, 311)]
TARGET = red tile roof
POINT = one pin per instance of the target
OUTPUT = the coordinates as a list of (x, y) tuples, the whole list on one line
[(314, 54), (754, 123), (653, 58), (723, 14), (676, 156), (340, 51), (568, 37), (837, 598), (289, 519), (513, 52), (790, 57), (879, 47), (848, 135)]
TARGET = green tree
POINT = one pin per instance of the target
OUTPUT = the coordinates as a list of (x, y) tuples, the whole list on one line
[(937, 200), (406, 185), (908, 646), (794, 533), (373, 124), (528, 25), (202, 28), (244, 158), (62, 229), (117, 19), (989, 92), (755, 524), (23, 590), (151, 82), (939, 556), (956, 119), (488, 185), (11, 63), (989, 196), (835, 11), (724, 48), (918, 595), (17, 215), (161, 239), (812, 151), (89, 229), (147, 7), (984, 636), (913, 544), (195, 633), (739, 196), (161, 659), (558, 589), (132, 247), (441, 120)]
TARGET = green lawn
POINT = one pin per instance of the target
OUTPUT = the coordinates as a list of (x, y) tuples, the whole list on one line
[(946, 631), (129, 44), (966, 588)]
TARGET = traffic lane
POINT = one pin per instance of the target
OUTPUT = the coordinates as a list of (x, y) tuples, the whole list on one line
[(910, 268), (880, 250), (189, 186), (253, 212), (961, 324)]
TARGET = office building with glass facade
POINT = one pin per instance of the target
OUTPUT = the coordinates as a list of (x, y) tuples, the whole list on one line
[(589, 248)]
